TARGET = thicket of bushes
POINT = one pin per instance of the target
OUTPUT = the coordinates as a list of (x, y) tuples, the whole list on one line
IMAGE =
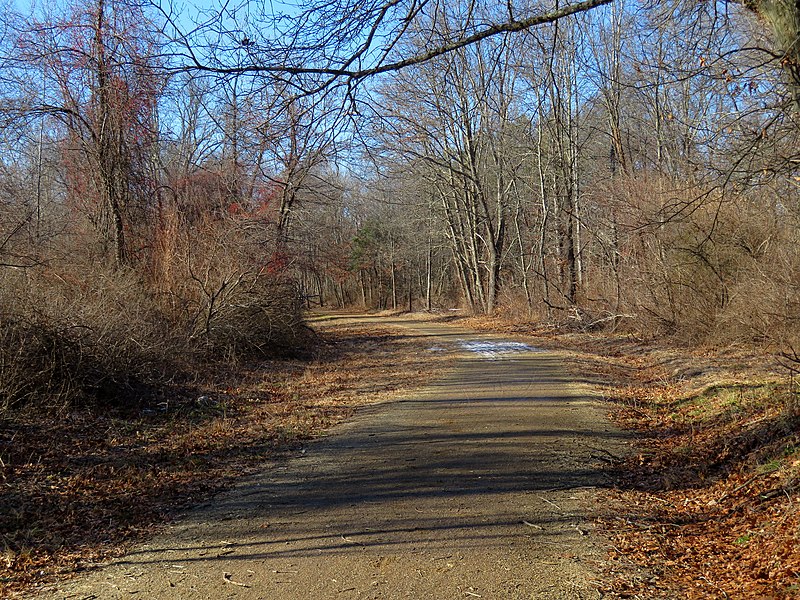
[(74, 329), (78, 333), (725, 273)]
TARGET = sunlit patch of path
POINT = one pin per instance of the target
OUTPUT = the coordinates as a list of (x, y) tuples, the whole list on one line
[(494, 349)]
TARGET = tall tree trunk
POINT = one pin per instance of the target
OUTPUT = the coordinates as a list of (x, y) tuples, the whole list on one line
[(110, 150), (429, 275)]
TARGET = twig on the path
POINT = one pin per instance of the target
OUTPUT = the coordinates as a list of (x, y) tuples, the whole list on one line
[(741, 487), (473, 594), (552, 503), (534, 525), (226, 577), (133, 574), (611, 459), (351, 541)]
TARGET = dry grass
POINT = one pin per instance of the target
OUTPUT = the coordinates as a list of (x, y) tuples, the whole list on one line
[(80, 486)]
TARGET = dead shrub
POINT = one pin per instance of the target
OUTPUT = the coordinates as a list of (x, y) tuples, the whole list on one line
[(218, 287), (264, 320), (66, 338)]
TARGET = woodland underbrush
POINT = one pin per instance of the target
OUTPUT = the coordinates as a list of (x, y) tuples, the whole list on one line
[(79, 334), (74, 335), (727, 274)]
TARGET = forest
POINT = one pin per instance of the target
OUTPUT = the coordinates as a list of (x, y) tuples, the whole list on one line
[(180, 184), (169, 189)]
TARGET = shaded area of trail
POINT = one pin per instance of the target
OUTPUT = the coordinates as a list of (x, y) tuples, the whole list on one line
[(480, 485)]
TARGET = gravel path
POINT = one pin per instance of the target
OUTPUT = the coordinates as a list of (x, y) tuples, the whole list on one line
[(479, 486)]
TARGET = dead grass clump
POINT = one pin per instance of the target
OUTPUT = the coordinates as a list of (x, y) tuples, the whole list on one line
[(81, 335), (34, 363)]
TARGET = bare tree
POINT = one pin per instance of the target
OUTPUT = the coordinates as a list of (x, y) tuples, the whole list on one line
[(94, 71)]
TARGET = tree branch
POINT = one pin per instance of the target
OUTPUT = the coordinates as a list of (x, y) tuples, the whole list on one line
[(510, 26)]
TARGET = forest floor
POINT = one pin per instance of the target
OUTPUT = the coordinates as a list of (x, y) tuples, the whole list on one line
[(703, 504)]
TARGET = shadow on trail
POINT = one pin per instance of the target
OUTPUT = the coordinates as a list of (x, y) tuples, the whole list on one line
[(386, 540), (464, 463)]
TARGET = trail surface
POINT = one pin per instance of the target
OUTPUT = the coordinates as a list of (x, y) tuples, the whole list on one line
[(478, 486)]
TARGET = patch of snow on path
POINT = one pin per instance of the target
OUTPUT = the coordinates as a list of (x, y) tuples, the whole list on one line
[(494, 350)]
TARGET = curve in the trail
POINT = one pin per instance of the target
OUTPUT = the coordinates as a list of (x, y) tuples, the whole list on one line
[(478, 486)]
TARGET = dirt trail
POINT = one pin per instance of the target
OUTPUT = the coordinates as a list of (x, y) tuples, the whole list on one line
[(478, 486)]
